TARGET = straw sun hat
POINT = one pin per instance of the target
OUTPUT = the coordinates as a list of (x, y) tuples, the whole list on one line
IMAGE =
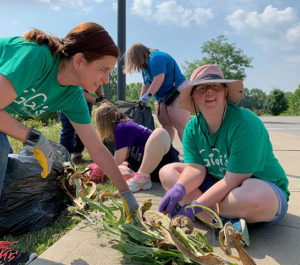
[(209, 74)]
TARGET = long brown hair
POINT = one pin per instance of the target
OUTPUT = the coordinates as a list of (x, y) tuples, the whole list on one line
[(136, 58), (107, 116), (89, 38)]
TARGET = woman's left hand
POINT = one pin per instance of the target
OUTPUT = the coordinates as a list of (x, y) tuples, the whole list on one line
[(144, 100), (190, 212)]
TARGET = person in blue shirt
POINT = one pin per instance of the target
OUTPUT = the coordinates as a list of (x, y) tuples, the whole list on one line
[(163, 80)]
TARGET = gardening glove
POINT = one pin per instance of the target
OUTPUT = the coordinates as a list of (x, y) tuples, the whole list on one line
[(144, 100), (171, 199), (130, 204), (42, 151), (100, 99), (190, 212)]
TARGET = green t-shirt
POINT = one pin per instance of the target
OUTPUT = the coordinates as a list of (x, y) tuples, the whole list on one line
[(32, 70), (241, 145)]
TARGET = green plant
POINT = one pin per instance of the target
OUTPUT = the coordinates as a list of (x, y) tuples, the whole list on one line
[(151, 238)]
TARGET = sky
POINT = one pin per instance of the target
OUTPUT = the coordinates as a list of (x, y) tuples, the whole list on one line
[(267, 31)]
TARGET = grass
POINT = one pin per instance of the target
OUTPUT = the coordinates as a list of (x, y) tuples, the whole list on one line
[(40, 240)]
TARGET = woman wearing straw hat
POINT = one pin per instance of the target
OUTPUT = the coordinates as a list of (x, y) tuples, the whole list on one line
[(229, 163)]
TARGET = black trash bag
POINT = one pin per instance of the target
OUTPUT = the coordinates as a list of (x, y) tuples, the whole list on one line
[(140, 114), (28, 201)]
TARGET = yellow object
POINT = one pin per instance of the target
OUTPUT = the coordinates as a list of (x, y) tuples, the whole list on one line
[(129, 216), (41, 158)]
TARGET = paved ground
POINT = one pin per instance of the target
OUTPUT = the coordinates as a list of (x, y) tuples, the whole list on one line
[(279, 244)]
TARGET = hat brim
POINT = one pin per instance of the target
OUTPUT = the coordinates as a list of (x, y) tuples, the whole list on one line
[(235, 92)]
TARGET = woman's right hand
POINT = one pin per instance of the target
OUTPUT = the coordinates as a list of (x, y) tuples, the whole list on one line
[(43, 153), (130, 204), (171, 199)]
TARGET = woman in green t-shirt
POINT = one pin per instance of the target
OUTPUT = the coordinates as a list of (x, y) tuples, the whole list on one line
[(229, 163), (39, 74)]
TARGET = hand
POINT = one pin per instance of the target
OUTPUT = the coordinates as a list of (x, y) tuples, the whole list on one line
[(190, 212), (43, 152), (145, 98), (171, 199), (100, 99), (130, 204)]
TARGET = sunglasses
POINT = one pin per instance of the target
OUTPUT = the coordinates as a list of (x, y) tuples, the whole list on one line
[(202, 89)]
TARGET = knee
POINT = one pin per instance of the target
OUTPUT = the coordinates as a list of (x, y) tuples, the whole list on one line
[(162, 136), (165, 177)]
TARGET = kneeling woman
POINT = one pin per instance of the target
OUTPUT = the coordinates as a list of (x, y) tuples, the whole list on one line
[(143, 151)]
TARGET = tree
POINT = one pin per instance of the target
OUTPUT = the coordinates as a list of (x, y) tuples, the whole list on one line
[(253, 99), (257, 98), (232, 61), (110, 89), (294, 102), (133, 91), (276, 102), (245, 101)]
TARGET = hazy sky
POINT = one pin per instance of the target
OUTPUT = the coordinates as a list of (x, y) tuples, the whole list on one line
[(268, 31)]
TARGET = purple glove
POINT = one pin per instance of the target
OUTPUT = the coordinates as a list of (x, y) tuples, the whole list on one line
[(189, 212), (171, 199)]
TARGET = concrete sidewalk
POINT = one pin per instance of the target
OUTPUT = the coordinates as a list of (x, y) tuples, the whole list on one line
[(278, 244)]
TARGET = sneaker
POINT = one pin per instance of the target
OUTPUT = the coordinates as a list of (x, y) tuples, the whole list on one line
[(127, 177), (241, 226), (139, 182), (14, 257)]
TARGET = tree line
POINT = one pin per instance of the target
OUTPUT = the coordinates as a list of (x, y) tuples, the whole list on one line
[(233, 62)]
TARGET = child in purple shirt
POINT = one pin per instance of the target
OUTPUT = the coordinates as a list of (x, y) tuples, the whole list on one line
[(136, 147)]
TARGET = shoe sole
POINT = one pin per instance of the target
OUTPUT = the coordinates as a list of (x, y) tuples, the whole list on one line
[(147, 186), (245, 233), (32, 257)]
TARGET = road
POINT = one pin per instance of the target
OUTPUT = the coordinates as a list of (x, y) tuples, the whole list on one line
[(284, 124)]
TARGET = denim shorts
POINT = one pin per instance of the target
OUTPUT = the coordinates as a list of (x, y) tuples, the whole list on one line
[(282, 200)]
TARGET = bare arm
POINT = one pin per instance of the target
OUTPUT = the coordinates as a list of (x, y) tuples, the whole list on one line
[(100, 154), (144, 89), (99, 91), (192, 176), (121, 155), (9, 125), (89, 98), (219, 191), (156, 83)]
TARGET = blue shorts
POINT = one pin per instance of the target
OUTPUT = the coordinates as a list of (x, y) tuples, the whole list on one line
[(282, 200)]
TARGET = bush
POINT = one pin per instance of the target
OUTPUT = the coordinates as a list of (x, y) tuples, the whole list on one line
[(276, 102), (45, 120)]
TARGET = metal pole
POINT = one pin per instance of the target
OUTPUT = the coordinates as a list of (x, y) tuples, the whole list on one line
[(122, 46)]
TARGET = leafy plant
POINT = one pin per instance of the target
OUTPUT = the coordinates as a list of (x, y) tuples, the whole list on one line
[(151, 238)]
